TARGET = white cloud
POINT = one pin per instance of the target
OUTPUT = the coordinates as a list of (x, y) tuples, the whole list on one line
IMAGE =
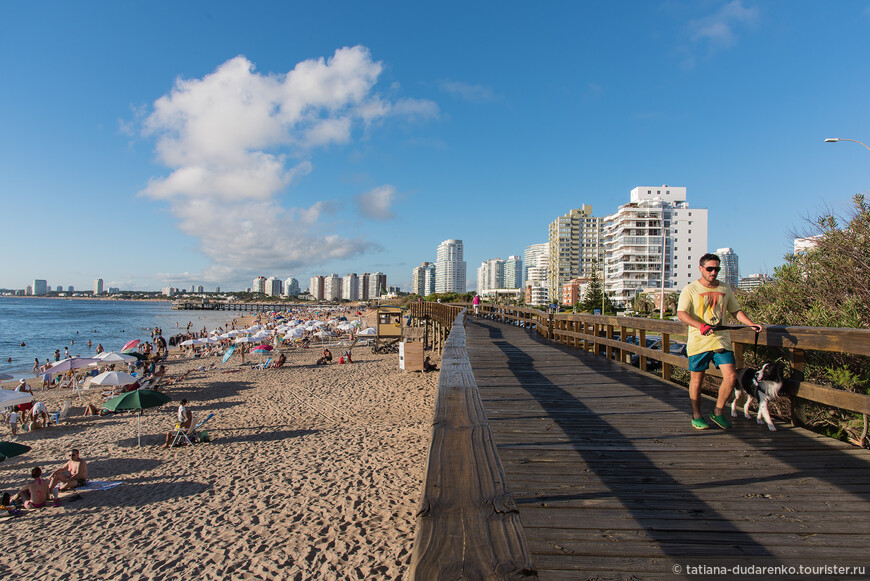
[(467, 91), (235, 139), (717, 30), (376, 203)]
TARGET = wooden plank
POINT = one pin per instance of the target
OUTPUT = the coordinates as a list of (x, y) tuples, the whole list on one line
[(467, 524)]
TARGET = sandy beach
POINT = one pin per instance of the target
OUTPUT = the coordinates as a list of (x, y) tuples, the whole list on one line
[(312, 472)]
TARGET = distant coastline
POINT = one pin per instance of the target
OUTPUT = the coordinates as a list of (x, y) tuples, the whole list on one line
[(140, 300)]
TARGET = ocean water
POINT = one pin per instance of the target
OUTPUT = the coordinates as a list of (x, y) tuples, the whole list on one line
[(44, 325)]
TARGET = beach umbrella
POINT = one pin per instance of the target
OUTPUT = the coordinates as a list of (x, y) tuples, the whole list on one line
[(10, 398), (137, 400), (12, 449), (112, 357), (245, 340), (261, 350), (129, 345), (113, 378), (69, 364), (370, 331), (188, 343), (229, 353)]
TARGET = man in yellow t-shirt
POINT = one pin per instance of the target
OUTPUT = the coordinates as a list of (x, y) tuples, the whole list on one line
[(703, 305)]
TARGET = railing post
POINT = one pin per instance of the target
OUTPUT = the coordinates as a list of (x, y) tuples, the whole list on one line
[(798, 405), (666, 349)]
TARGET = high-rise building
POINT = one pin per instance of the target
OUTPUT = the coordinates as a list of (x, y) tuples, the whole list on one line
[(575, 248), (60, 288), (28, 290), (291, 287), (728, 261), (419, 279), (513, 272), (316, 287), (532, 255), (200, 289), (450, 267), (70, 289), (274, 287), (259, 286), (217, 289), (350, 287), (332, 287), (490, 275), (636, 257), (40, 287), (364, 286), (98, 286), (377, 284)]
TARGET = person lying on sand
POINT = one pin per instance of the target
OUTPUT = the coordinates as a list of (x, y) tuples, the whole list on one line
[(280, 361), (35, 493), (72, 474)]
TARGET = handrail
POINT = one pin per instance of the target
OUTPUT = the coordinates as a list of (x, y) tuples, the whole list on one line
[(468, 525), (595, 333)]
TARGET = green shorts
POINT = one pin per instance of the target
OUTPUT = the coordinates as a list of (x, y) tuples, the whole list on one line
[(701, 361)]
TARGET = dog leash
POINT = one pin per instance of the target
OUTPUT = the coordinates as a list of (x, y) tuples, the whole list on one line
[(734, 328)]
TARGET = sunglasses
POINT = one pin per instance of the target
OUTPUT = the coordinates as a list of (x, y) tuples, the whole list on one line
[(712, 268)]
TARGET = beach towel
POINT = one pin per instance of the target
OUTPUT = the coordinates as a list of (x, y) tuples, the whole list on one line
[(99, 485)]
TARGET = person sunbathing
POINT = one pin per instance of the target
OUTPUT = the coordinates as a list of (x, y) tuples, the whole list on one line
[(280, 361), (34, 494), (72, 474)]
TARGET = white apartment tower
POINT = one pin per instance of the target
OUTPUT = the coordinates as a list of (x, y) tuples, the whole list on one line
[(636, 259), (291, 287), (513, 272), (259, 285), (423, 279), (450, 267), (728, 261), (98, 286), (331, 287), (350, 287), (575, 248), (274, 287)]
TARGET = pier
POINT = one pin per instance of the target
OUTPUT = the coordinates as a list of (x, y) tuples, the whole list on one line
[(551, 458)]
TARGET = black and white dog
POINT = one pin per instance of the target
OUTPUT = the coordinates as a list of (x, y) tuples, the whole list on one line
[(762, 384)]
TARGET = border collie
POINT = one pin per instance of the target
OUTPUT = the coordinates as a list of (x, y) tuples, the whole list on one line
[(762, 384)]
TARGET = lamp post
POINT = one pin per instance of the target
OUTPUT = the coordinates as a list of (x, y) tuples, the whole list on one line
[(836, 139)]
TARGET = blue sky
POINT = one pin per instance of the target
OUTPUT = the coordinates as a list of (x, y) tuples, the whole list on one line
[(170, 143)]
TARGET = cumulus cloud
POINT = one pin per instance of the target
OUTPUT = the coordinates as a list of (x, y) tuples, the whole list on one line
[(235, 139), (376, 203)]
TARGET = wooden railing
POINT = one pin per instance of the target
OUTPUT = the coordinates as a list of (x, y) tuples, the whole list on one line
[(468, 525), (609, 336)]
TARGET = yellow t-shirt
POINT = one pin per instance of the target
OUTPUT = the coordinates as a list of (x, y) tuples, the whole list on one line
[(711, 306)]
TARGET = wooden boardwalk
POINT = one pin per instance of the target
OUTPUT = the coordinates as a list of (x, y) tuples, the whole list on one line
[(612, 482)]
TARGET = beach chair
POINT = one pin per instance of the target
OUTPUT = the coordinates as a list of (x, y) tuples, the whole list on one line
[(63, 414), (188, 435)]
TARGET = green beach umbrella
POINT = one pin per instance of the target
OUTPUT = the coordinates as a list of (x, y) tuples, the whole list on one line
[(10, 449), (137, 400)]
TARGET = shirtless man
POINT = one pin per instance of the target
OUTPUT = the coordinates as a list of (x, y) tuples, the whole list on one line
[(72, 475), (35, 494)]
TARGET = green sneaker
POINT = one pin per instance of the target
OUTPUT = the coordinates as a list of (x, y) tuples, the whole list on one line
[(721, 421), (700, 424)]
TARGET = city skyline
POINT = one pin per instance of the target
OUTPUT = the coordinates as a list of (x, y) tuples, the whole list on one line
[(361, 148)]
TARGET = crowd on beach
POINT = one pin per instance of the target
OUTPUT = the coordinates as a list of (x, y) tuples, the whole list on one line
[(325, 461), (266, 333)]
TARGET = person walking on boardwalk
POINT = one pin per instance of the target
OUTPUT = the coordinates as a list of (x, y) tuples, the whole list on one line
[(704, 305)]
